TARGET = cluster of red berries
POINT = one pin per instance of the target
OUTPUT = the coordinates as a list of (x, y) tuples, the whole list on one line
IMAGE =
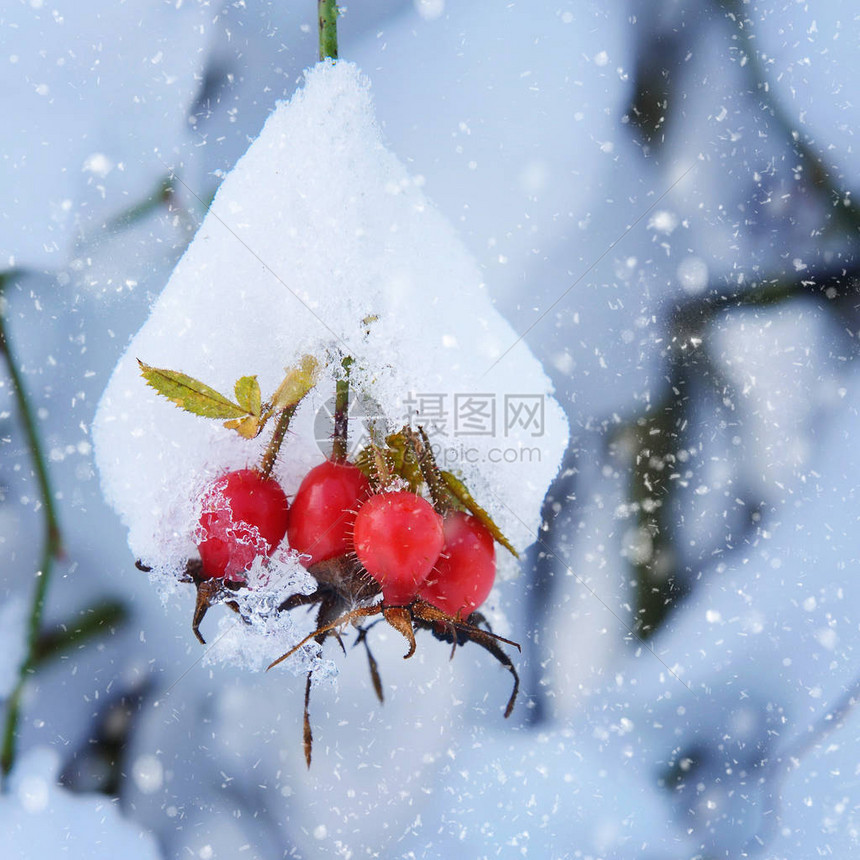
[(360, 528), (398, 537)]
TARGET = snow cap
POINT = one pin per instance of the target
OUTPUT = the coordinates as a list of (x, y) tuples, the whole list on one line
[(319, 242)]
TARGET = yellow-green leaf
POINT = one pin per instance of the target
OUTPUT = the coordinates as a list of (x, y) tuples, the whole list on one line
[(404, 465), (297, 383), (248, 427), (248, 395), (462, 494), (190, 394)]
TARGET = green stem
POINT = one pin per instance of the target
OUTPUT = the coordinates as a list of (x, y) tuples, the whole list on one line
[(274, 446), (51, 549), (160, 196), (328, 28), (101, 618), (339, 445)]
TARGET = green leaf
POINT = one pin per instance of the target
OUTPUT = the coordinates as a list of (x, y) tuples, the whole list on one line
[(248, 395), (464, 497), (190, 394), (297, 383)]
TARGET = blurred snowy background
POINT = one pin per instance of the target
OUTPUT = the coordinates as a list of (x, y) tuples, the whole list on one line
[(660, 196)]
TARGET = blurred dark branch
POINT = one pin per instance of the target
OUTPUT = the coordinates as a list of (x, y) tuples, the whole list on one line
[(657, 434), (656, 437), (779, 768), (662, 55), (52, 527), (99, 763), (835, 286), (95, 621), (51, 547), (546, 568), (658, 71), (845, 211), (163, 194)]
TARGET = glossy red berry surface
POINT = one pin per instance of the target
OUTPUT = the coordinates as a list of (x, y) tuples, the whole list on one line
[(465, 572), (397, 538), (323, 512), (244, 516)]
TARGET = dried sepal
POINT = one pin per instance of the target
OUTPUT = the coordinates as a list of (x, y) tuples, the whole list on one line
[(453, 630), (210, 592), (400, 618), (465, 498), (347, 617), (307, 733), (372, 665), (404, 619), (190, 394)]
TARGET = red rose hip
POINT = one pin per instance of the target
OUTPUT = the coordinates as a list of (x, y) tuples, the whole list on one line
[(397, 538), (465, 572), (323, 512), (244, 516)]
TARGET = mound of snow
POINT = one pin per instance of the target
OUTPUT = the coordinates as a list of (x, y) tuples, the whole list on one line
[(320, 243)]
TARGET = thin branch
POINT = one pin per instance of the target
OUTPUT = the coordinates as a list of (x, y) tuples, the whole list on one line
[(328, 13), (51, 550), (92, 622), (340, 437), (274, 446)]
